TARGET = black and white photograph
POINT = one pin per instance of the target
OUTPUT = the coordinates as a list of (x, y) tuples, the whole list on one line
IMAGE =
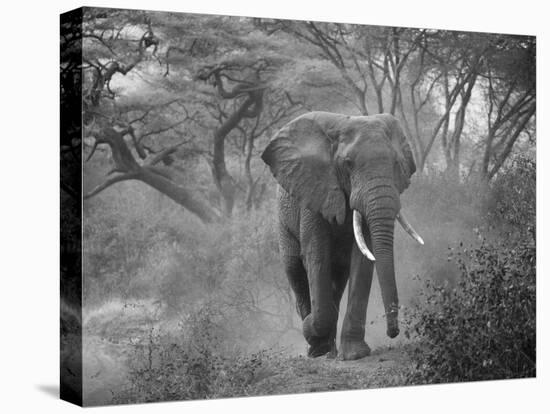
[(264, 206)]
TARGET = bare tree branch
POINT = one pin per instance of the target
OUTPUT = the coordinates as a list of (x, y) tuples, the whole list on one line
[(106, 184)]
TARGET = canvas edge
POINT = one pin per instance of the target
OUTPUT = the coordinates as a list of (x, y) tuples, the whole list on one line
[(70, 374)]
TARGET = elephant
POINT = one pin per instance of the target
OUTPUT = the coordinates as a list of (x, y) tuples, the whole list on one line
[(339, 183)]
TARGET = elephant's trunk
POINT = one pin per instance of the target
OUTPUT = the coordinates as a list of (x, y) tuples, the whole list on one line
[(382, 239), (380, 205)]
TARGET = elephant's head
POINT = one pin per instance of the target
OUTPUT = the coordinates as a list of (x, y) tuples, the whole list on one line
[(333, 163)]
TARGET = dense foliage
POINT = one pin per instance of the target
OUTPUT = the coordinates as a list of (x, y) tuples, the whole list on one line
[(513, 196), (484, 327)]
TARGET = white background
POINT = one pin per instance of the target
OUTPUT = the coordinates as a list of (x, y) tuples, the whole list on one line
[(29, 203)]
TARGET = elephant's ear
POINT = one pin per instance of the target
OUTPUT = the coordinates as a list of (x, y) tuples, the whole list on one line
[(300, 157), (405, 167)]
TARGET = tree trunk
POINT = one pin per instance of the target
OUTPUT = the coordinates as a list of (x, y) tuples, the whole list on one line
[(161, 179), (250, 108)]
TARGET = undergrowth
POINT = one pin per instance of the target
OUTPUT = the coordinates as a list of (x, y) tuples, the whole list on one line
[(193, 365), (484, 326)]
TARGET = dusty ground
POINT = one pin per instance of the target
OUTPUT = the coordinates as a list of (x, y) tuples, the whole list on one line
[(105, 372), (385, 367), (109, 336)]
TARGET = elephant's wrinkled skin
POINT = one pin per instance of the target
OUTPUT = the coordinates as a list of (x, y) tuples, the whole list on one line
[(328, 165)]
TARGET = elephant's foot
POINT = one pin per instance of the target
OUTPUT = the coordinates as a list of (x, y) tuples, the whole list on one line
[(333, 353), (319, 336), (354, 349), (320, 347), (321, 342), (393, 326)]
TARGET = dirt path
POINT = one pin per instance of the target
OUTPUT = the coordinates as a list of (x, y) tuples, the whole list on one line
[(111, 333), (105, 372), (384, 368)]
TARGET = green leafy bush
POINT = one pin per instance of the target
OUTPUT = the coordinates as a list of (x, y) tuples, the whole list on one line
[(485, 327)]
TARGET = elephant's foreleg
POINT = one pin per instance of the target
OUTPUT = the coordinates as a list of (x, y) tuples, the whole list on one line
[(295, 271), (352, 344), (340, 272), (319, 326)]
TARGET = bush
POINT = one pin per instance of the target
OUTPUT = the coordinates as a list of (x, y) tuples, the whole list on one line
[(513, 196), (484, 328), (196, 365)]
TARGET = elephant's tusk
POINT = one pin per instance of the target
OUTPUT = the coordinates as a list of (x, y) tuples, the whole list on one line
[(407, 227), (359, 238)]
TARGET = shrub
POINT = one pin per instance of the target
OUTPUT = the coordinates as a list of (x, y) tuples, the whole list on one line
[(196, 365), (484, 328), (513, 196)]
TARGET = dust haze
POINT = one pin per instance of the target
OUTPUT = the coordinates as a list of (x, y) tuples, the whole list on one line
[(178, 276)]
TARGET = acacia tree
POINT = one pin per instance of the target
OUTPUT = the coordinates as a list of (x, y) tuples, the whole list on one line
[(278, 107), (207, 82), (117, 42), (473, 64), (374, 64), (510, 85), (428, 78), (147, 131), (455, 61), (243, 84), (239, 68)]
